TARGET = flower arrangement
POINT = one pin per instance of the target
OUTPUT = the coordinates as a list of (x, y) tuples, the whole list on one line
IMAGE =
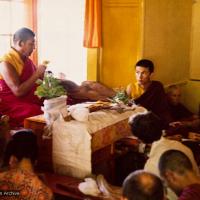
[(121, 97), (49, 87)]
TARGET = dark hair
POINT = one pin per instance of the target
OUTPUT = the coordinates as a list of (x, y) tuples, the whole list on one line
[(23, 144), (135, 188), (147, 127), (23, 34), (176, 161), (145, 63)]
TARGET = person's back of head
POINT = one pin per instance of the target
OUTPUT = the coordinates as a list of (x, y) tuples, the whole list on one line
[(23, 34), (176, 161), (173, 94), (20, 151), (177, 171), (146, 63), (23, 144), (141, 185), (147, 127)]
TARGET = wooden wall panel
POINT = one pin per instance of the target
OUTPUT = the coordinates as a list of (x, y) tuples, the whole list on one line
[(121, 29)]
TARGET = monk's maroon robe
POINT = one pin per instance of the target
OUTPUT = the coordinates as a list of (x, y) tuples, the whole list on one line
[(19, 108), (154, 99)]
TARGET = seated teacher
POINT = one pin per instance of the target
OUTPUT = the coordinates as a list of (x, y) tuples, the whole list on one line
[(148, 93), (18, 75)]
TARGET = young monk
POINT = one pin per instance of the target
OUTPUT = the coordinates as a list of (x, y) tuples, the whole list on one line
[(149, 93)]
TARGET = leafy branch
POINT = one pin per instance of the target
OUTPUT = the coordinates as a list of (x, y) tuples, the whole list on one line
[(49, 87)]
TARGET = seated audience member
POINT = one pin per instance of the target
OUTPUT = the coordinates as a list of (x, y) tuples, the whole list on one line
[(147, 127), (87, 91), (148, 93), (20, 156), (18, 75), (177, 171), (141, 185), (181, 115)]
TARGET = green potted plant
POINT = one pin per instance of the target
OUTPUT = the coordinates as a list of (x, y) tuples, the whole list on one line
[(55, 97), (49, 87)]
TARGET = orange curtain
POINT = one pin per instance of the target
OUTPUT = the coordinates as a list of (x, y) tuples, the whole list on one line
[(31, 16), (92, 26)]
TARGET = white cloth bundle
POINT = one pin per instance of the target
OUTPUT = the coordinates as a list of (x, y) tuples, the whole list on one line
[(79, 112), (89, 187), (100, 187), (71, 148), (53, 108)]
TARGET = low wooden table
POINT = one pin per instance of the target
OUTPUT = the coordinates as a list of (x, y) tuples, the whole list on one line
[(102, 144)]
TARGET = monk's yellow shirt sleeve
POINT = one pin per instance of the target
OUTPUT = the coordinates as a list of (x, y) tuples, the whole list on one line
[(136, 90), (13, 58)]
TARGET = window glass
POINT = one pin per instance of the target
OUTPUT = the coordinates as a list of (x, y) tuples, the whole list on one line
[(60, 37), (17, 15), (5, 17), (4, 43), (12, 15)]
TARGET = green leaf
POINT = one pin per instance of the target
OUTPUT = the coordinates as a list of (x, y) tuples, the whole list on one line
[(49, 88)]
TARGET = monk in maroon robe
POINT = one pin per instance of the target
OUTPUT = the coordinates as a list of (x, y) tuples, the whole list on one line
[(147, 93), (181, 115), (18, 75)]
